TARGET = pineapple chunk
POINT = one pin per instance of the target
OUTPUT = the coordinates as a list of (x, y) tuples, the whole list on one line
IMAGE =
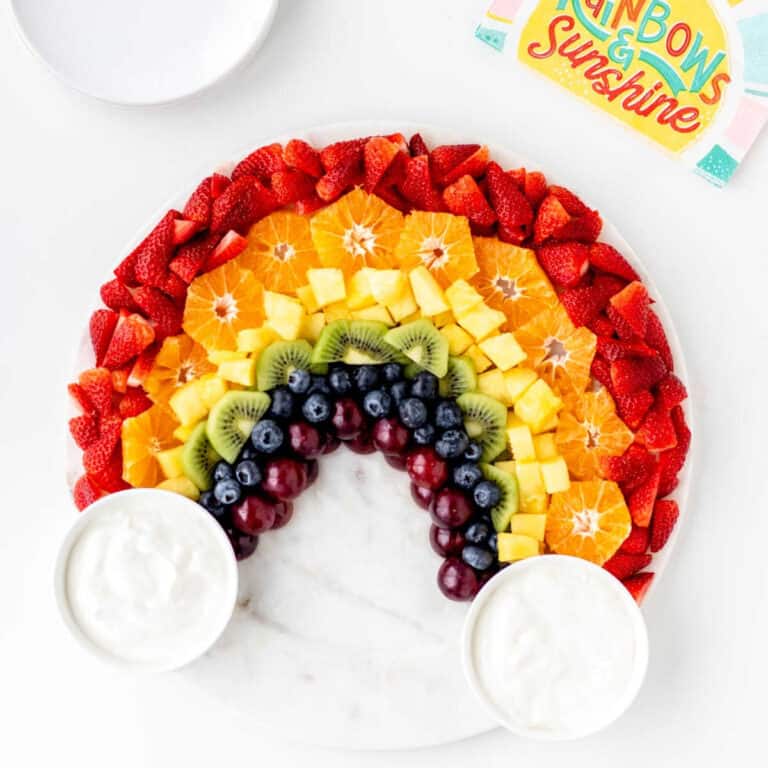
[(187, 403), (544, 446), (387, 285), (359, 294), (521, 442), (507, 466), (475, 354), (404, 306), (307, 298), (514, 546), (537, 405), (534, 526), (240, 371), (183, 431), (533, 493), (555, 474), (212, 389), (181, 485), (549, 425), (459, 341), (481, 321), (444, 318), (327, 285), (218, 356), (518, 380), (408, 318), (337, 311), (170, 462), (427, 292), (254, 340), (491, 383), (284, 314), (376, 312), (462, 297), (503, 350), (313, 326)]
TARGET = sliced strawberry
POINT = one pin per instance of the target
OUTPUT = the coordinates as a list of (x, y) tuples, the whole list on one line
[(417, 145), (565, 263), (464, 198), (241, 204), (638, 585), (583, 229), (191, 258), (183, 230), (96, 457), (608, 259), (198, 207), (637, 541), (512, 208), (657, 338), (582, 304), (219, 183), (608, 285), (164, 315), (632, 375), (309, 205), (570, 201), (340, 178), (86, 492), (447, 157), (620, 326), (174, 287), (133, 402), (101, 326), (394, 176), (632, 408), (670, 392), (303, 157), (84, 430), (133, 334), (657, 432), (399, 141), (155, 251), (261, 163), (417, 186), (392, 197), (623, 564), (665, 516), (633, 467), (633, 304), (110, 479), (291, 185), (643, 498), (601, 326), (80, 398), (601, 370), (672, 461), (120, 379), (231, 245), (117, 296), (125, 271), (616, 349), (534, 187), (342, 152), (378, 155), (142, 367), (473, 166), (96, 383), (550, 219)]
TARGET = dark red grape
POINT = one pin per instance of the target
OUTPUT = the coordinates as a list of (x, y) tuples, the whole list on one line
[(422, 496), (390, 436), (427, 469), (456, 580), (283, 513), (305, 440), (347, 418), (243, 543), (313, 470), (362, 443), (330, 443), (398, 462), (254, 515), (445, 541), (450, 508), (284, 478)]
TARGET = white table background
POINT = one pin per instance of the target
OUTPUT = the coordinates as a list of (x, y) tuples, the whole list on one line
[(76, 179)]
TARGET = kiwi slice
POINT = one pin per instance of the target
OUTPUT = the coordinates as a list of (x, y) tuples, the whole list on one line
[(485, 420), (501, 514), (355, 342), (198, 458), (232, 420), (421, 342), (459, 378), (278, 360)]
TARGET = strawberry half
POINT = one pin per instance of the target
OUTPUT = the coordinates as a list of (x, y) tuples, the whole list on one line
[(448, 157), (657, 432), (657, 338), (564, 263), (601, 326), (643, 498), (584, 304), (120, 379), (665, 515), (261, 163), (174, 287), (633, 467), (623, 565), (101, 326), (96, 383), (637, 541), (638, 585), (534, 187), (512, 208), (632, 408), (606, 258), (303, 157), (164, 315), (632, 375), (340, 178), (617, 349), (155, 251), (117, 296), (191, 258), (80, 398), (464, 198), (183, 230), (291, 185), (133, 334), (97, 456), (601, 371), (142, 367), (417, 186), (86, 492), (583, 229), (110, 479), (378, 155), (417, 146), (198, 207), (633, 303), (84, 430), (342, 152), (550, 219), (670, 392), (133, 402), (570, 201), (309, 205), (231, 245), (672, 461), (241, 204)]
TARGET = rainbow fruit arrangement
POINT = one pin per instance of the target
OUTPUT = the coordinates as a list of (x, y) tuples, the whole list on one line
[(462, 319)]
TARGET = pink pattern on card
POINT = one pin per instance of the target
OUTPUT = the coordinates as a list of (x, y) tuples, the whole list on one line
[(751, 116), (504, 10)]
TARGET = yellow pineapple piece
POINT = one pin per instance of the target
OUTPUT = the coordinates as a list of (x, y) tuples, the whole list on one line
[(537, 405), (327, 285), (534, 526), (515, 546), (307, 298), (518, 380), (387, 285), (313, 326), (337, 311), (459, 341), (404, 306), (555, 474), (481, 321), (218, 356), (533, 493), (427, 292), (503, 350), (376, 312), (462, 297), (520, 442), (212, 388), (183, 432), (240, 371), (181, 485), (444, 318), (254, 340), (545, 446), (548, 425), (359, 294), (284, 314), (409, 318), (491, 383), (482, 363), (170, 462), (187, 403), (507, 466)]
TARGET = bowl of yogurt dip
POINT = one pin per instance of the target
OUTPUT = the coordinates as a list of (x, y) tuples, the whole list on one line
[(146, 579), (555, 648)]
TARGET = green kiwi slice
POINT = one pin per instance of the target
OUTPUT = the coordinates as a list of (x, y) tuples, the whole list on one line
[(501, 514), (198, 458), (485, 420), (278, 360), (459, 378), (422, 343), (232, 420), (355, 342)]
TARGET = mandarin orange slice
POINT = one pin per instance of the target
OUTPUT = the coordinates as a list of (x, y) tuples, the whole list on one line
[(590, 520), (179, 360), (589, 429), (280, 251), (358, 230), (440, 241), (144, 436), (511, 280), (221, 303), (561, 353)]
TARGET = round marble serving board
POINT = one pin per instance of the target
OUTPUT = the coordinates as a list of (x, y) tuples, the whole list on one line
[(340, 636)]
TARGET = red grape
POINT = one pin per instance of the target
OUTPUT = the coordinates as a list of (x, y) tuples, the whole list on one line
[(283, 513), (446, 542), (347, 419), (390, 436), (450, 508), (330, 443), (305, 440), (284, 478), (244, 544), (362, 443), (313, 470), (398, 462), (254, 515), (457, 581), (422, 496), (427, 469)]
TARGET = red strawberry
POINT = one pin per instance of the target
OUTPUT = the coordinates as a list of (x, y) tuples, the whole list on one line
[(342, 152), (84, 429), (608, 285), (174, 287), (570, 201), (464, 198), (670, 392), (81, 399), (601, 370), (623, 565), (582, 304), (291, 185), (183, 230), (657, 432), (100, 327), (657, 339), (378, 155), (133, 334), (584, 229), (607, 258), (399, 141), (155, 251), (125, 271), (637, 541), (510, 204), (394, 176), (241, 204), (133, 402), (632, 375), (198, 207), (309, 205), (303, 157), (672, 461), (616, 349), (117, 296), (230, 245), (219, 183), (643, 498), (164, 315), (474, 166), (601, 326), (518, 176), (565, 263), (633, 304), (97, 456), (417, 187), (191, 257), (86, 492), (448, 157), (142, 367), (417, 145), (392, 197), (620, 326), (633, 467), (665, 515), (97, 385), (632, 408), (110, 479), (535, 187), (120, 379), (638, 585), (261, 163), (550, 219), (339, 179)]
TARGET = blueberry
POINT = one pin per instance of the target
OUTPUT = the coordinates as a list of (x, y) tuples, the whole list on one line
[(399, 391), (247, 473), (299, 381), (208, 500), (392, 372), (486, 494), (222, 471), (492, 543), (227, 491), (377, 403), (451, 444), (424, 385), (366, 377), (467, 476), (424, 435), (281, 406), (413, 412), (448, 415), (340, 381), (477, 533), (319, 384), (477, 557), (248, 452), (317, 408), (474, 452), (267, 436)]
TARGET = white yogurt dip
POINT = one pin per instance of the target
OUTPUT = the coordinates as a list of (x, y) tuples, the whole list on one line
[(555, 647), (148, 578)]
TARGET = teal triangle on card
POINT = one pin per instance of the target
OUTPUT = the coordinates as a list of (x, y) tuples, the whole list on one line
[(492, 37), (717, 166)]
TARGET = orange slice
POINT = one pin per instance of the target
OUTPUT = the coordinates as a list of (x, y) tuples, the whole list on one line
[(280, 251), (512, 281), (440, 241), (221, 303), (589, 429), (179, 360), (561, 353), (359, 230), (144, 436), (590, 520)]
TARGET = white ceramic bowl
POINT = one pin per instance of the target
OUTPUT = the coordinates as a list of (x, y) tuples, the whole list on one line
[(150, 499), (608, 586)]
